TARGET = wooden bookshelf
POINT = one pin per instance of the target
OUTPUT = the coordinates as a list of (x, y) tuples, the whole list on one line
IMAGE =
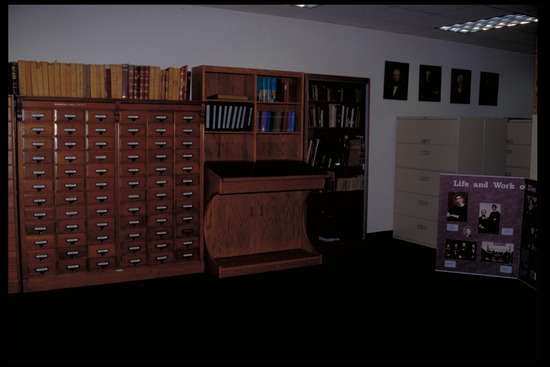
[(341, 209), (249, 143)]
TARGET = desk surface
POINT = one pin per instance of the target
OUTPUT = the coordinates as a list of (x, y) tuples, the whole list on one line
[(233, 169)]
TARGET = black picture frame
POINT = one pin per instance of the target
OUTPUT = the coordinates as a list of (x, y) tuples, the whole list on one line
[(488, 89), (396, 80), (461, 80), (429, 83)]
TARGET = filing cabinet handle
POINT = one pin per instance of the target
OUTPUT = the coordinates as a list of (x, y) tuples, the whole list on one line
[(187, 143), (187, 181), (102, 238), (71, 199), (187, 118), (69, 130), (39, 201), (41, 243), (102, 264), (160, 143), (101, 211), (70, 186), (133, 117), (39, 173), (188, 156), (133, 183), (69, 116), (38, 158), (102, 251), (133, 210), (161, 233), (101, 185), (161, 245), (133, 222), (187, 194), (425, 152), (100, 117), (134, 248), (72, 253), (70, 144), (161, 220), (101, 144), (100, 130), (161, 182), (71, 213), (161, 117), (134, 235), (70, 172), (134, 261), (37, 116), (100, 157), (187, 206), (37, 144), (102, 225), (72, 267), (188, 254), (187, 219), (133, 171), (133, 196), (187, 169), (187, 243), (70, 158), (39, 215), (37, 130), (72, 227), (133, 130), (133, 157), (161, 195), (40, 229), (39, 187), (161, 156), (188, 131), (162, 258), (101, 171), (70, 241), (160, 169), (133, 144), (161, 207), (42, 270), (160, 131)]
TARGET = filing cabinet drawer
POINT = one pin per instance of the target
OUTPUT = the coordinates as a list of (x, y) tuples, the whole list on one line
[(189, 129), (41, 270), (72, 265), (71, 226), (159, 207), (133, 143), (160, 129), (413, 180), (133, 117), (38, 171), (132, 195), (38, 186), (101, 129), (72, 253), (160, 220), (187, 143), (33, 144), (186, 231), (128, 235), (69, 115), (132, 156), (101, 157), (159, 143), (100, 143), (71, 199), (187, 155), (38, 242), (427, 131), (186, 243), (41, 200), (101, 238), (517, 172), (185, 205), (134, 222), (187, 180), (38, 228), (39, 214), (10, 158), (133, 182), (100, 183), (160, 156), (186, 168), (132, 130), (37, 129), (439, 158), (133, 248), (101, 263), (37, 114), (137, 259), (70, 143), (100, 170), (69, 185), (133, 209), (160, 117), (37, 158), (99, 226), (132, 169), (100, 211), (39, 258), (183, 254), (76, 157), (518, 155), (187, 218), (106, 250), (10, 144), (68, 129), (416, 205), (64, 213), (71, 240), (160, 246), (100, 197), (415, 230), (160, 233), (159, 194), (518, 133), (161, 258), (159, 182), (187, 119), (98, 117), (70, 171), (160, 169)]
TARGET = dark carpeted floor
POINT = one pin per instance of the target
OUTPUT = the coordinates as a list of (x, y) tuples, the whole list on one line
[(374, 300)]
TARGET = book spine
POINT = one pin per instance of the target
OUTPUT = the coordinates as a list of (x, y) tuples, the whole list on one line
[(181, 85), (15, 78), (108, 76), (125, 81)]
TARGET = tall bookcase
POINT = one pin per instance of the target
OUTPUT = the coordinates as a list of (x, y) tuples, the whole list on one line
[(336, 138), (244, 135)]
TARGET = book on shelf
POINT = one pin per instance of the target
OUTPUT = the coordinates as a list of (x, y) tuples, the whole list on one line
[(278, 121), (228, 97), (270, 89), (228, 117)]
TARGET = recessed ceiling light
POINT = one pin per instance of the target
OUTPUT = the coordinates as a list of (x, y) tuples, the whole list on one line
[(510, 20), (306, 6)]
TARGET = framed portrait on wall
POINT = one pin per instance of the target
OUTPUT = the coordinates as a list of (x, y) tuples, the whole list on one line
[(429, 83), (460, 85), (488, 89), (396, 80)]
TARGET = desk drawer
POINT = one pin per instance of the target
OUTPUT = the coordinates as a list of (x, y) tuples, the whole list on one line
[(100, 170), (76, 157), (101, 226), (132, 130), (187, 180), (186, 205), (44, 242), (72, 265), (187, 120), (101, 251), (37, 129), (518, 155), (64, 213), (185, 130), (41, 270), (101, 130), (38, 200), (441, 158), (34, 171), (160, 117), (36, 144), (70, 143), (101, 238), (187, 143), (101, 143), (417, 205), (132, 169), (71, 199), (70, 129), (69, 115), (415, 230), (101, 263), (100, 211), (39, 214), (132, 156), (68, 185), (38, 158), (101, 157), (100, 183), (133, 143), (70, 171), (71, 240)]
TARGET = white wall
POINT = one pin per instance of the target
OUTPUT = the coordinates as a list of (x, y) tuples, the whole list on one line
[(171, 35)]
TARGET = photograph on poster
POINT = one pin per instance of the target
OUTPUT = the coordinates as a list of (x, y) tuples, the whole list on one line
[(460, 250), (489, 218), (467, 232), (396, 80), (429, 83), (457, 207), (488, 89), (497, 252), (460, 86)]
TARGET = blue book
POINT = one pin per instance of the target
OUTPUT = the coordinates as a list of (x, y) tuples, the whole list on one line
[(273, 89), (263, 121), (268, 123), (264, 89), (259, 88)]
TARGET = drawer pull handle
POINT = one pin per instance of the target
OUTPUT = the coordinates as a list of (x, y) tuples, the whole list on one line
[(133, 170), (161, 169), (188, 131), (161, 195), (133, 144), (187, 169), (101, 144), (162, 220), (135, 261), (101, 184), (100, 130), (425, 152), (41, 270), (70, 172), (187, 243), (71, 241), (41, 256), (73, 267), (134, 196), (102, 264), (70, 144), (133, 130), (39, 215), (102, 238), (133, 117), (38, 144), (69, 130), (187, 206), (134, 222), (161, 245), (71, 199), (134, 248), (101, 211), (133, 210), (72, 253), (39, 187), (161, 156), (40, 229), (100, 157), (41, 243), (161, 258), (187, 181), (37, 130), (38, 158), (189, 254), (70, 186), (101, 171), (161, 233), (160, 143), (102, 225), (133, 157), (187, 219), (133, 183), (187, 118), (70, 158), (160, 131), (101, 198), (187, 194), (161, 182), (37, 116), (102, 251), (39, 173), (71, 227), (187, 143), (100, 117), (134, 235), (39, 201), (188, 156), (71, 213), (161, 117), (69, 116), (161, 207)]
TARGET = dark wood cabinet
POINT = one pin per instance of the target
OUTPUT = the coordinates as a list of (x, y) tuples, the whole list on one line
[(13, 249)]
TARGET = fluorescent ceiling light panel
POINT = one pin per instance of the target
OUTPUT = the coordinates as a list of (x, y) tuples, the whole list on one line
[(306, 6), (510, 20)]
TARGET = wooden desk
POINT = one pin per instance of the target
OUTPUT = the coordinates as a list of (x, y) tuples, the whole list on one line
[(255, 216)]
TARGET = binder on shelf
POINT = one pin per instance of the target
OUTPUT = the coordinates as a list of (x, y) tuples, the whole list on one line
[(208, 116)]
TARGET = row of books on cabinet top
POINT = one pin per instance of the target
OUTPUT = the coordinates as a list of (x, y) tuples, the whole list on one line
[(325, 93), (277, 121), (271, 89), (228, 117), (344, 152), (334, 116)]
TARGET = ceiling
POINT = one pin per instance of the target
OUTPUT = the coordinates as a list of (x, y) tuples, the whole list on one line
[(418, 20)]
